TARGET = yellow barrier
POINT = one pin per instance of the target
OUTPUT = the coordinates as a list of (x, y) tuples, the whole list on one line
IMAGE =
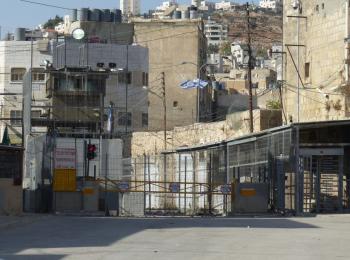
[(65, 180)]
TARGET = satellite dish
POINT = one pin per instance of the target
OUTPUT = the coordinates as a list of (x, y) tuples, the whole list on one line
[(78, 34)]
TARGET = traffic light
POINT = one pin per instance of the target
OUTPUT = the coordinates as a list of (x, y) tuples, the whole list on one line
[(91, 151)]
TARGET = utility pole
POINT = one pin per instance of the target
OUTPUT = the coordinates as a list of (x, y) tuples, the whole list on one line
[(165, 111), (251, 119)]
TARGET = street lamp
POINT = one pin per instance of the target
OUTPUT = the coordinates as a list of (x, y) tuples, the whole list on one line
[(198, 76)]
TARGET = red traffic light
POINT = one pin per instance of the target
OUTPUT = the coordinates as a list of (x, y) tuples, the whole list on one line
[(91, 148)]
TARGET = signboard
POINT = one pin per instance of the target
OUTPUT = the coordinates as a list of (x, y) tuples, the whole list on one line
[(65, 180), (123, 186), (174, 187), (65, 158), (225, 189)]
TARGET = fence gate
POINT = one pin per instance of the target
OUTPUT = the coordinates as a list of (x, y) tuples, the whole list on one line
[(323, 180)]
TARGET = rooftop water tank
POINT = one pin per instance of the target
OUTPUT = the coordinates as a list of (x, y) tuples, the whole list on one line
[(20, 34), (95, 15), (84, 14), (106, 15), (193, 14), (117, 15), (74, 15)]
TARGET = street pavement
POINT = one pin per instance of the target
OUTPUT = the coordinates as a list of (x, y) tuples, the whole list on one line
[(69, 237)]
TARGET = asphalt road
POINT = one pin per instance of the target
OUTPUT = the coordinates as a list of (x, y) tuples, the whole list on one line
[(52, 237)]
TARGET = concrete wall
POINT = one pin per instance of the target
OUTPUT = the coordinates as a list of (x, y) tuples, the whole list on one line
[(170, 44), (11, 198), (235, 125), (121, 33), (322, 36)]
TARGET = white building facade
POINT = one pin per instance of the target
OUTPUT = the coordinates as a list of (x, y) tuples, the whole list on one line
[(216, 33), (130, 7), (270, 4), (16, 58), (224, 5)]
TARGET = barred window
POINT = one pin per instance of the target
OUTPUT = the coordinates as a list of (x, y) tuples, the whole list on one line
[(17, 74)]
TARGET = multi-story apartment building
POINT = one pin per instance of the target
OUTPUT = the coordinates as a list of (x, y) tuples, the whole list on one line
[(130, 7), (316, 72), (216, 33), (88, 76), (16, 58)]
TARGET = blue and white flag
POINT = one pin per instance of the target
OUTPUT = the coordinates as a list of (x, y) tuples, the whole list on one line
[(196, 83), (110, 119)]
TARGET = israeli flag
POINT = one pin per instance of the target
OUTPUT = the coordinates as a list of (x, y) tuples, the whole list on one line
[(110, 119), (196, 83)]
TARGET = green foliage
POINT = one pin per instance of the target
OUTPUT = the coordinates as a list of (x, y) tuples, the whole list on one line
[(51, 23), (225, 48), (273, 104)]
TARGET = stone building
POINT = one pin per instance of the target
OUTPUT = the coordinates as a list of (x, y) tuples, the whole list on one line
[(317, 59), (177, 48), (16, 58)]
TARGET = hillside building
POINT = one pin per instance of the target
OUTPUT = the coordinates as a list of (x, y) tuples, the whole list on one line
[(216, 33)]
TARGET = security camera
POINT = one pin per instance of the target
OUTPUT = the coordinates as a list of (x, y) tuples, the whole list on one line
[(296, 4)]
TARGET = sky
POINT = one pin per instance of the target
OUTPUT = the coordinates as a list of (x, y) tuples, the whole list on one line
[(14, 13)]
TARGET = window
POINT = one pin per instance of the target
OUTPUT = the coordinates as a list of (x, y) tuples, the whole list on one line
[(307, 70), (144, 79), (16, 117), (144, 120), (38, 74), (17, 74), (36, 114), (125, 78), (175, 104), (124, 118)]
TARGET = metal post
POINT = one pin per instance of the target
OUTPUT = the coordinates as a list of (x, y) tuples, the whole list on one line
[(149, 184), (126, 89), (298, 65), (106, 193), (165, 111), (180, 182), (185, 183), (251, 119), (144, 182), (165, 180)]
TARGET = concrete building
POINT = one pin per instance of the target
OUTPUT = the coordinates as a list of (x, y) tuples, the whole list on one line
[(216, 33), (269, 4), (321, 60), (240, 54), (16, 58), (104, 32), (117, 72), (177, 48), (130, 7), (224, 5)]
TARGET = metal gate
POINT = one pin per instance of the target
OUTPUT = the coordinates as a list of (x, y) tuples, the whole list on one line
[(322, 180)]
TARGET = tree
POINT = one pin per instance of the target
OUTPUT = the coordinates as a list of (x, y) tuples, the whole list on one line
[(6, 138), (51, 23), (225, 49)]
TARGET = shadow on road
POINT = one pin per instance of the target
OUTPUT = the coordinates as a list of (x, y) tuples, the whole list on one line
[(83, 232)]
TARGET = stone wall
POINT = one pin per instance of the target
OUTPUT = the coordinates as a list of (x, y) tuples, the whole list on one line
[(323, 57), (11, 198), (235, 125)]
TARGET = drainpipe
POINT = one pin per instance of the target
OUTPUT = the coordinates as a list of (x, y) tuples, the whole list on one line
[(347, 42)]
